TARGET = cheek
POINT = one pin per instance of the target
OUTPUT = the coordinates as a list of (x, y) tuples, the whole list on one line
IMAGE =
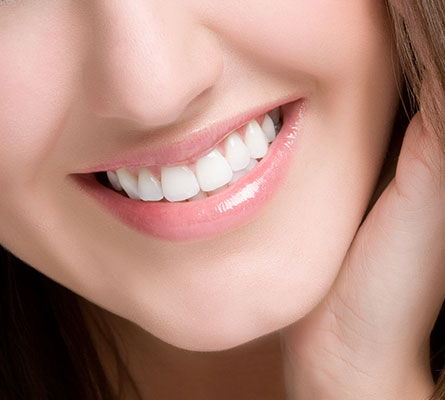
[(37, 61), (327, 40)]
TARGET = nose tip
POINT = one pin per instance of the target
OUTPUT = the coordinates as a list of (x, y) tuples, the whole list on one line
[(149, 67)]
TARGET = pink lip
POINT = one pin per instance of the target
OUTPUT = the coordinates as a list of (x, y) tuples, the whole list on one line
[(195, 144), (217, 214)]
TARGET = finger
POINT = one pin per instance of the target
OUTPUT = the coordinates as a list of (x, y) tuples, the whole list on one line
[(394, 272)]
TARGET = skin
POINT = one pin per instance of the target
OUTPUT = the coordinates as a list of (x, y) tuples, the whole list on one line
[(121, 75)]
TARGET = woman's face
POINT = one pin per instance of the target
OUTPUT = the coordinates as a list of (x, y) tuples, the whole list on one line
[(87, 83)]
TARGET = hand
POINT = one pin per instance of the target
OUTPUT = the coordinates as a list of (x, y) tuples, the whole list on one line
[(369, 337)]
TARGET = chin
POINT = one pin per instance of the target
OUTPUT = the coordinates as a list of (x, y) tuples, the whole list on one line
[(228, 327)]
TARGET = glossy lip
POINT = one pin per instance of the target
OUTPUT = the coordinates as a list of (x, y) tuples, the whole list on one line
[(204, 219), (194, 145)]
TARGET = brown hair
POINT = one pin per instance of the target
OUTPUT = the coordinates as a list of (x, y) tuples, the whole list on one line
[(418, 29), (46, 351)]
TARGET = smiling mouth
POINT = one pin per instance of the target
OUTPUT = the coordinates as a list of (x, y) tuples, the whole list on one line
[(219, 189), (238, 153)]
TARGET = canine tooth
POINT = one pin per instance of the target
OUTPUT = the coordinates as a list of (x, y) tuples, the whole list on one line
[(128, 182), (149, 187), (114, 180), (213, 171), (268, 128), (256, 140), (236, 152), (178, 183)]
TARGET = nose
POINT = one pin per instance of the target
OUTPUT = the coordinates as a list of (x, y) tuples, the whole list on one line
[(148, 61)]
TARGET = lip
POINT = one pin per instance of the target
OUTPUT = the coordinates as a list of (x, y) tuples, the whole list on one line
[(220, 213), (194, 145)]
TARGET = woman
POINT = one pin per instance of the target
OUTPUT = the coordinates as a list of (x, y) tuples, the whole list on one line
[(205, 200)]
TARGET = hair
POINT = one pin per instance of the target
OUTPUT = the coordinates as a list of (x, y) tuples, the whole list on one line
[(46, 349)]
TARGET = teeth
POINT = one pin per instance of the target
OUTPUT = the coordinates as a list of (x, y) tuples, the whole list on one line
[(268, 128), (149, 187), (239, 174), (256, 140), (251, 165), (114, 180), (216, 191), (236, 152), (128, 182), (178, 183), (213, 171), (199, 196)]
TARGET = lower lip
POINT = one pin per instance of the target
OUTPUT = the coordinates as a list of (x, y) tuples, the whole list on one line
[(222, 212)]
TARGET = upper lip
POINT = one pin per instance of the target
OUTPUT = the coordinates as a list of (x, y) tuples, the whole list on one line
[(195, 144)]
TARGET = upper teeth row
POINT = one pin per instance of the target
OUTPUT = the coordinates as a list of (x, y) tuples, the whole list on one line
[(208, 173)]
